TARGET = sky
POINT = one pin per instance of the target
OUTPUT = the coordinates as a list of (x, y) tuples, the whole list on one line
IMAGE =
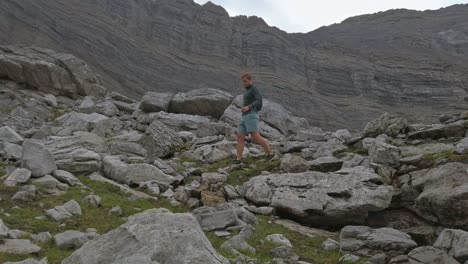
[(307, 15)]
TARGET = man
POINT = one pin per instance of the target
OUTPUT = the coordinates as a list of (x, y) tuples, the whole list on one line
[(250, 118)]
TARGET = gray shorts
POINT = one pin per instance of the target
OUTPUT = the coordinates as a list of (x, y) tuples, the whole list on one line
[(249, 123)]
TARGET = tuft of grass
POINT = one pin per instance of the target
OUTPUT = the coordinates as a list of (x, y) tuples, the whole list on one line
[(308, 248), (58, 112), (252, 167), (22, 215), (447, 155)]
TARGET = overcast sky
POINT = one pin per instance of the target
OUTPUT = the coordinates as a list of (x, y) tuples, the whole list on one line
[(307, 15)]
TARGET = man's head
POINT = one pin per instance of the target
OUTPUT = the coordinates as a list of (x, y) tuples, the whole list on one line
[(247, 80)]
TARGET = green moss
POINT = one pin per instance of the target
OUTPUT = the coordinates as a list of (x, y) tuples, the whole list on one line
[(308, 248), (22, 215), (448, 155)]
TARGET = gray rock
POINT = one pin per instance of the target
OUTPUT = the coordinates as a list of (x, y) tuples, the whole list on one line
[(317, 198), (88, 105), (7, 134), (214, 178), (26, 193), (262, 210), (66, 177), (462, 146), (93, 201), (440, 193), (119, 171), (238, 244), (51, 100), (30, 261), (18, 247), (116, 210), (430, 255), (325, 164), (385, 154), (330, 245), (204, 102), (283, 252), (127, 148), (159, 140), (37, 158), (293, 163), (380, 258), (41, 238), (439, 131), (455, 243), (349, 258), (385, 124), (67, 210), (70, 239), (49, 185), (223, 216), (279, 239), (144, 239), (18, 176), (73, 121), (10, 151), (107, 108), (365, 241), (3, 230), (155, 102)]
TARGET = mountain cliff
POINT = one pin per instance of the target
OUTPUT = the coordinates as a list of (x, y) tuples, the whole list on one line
[(338, 76)]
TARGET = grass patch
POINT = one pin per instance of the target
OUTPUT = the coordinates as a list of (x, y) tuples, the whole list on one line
[(58, 112), (309, 249), (252, 167), (447, 155), (22, 215)]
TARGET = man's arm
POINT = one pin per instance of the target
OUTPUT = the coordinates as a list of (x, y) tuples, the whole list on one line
[(257, 99)]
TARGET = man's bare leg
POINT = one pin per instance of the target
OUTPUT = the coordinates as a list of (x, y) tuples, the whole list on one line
[(240, 145), (262, 142)]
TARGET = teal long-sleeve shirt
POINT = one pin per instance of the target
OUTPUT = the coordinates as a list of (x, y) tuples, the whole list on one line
[(253, 99)]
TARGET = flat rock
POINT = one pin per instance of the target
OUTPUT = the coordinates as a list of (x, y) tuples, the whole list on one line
[(160, 140), (293, 163), (18, 176), (325, 164), (430, 255), (365, 241), (70, 239), (144, 239), (18, 247), (69, 209), (311, 197), (223, 216), (7, 134), (155, 102), (439, 131), (455, 243)]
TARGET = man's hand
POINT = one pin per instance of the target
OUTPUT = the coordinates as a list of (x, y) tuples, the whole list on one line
[(245, 109)]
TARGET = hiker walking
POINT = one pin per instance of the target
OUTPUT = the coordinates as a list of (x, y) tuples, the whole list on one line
[(250, 117)]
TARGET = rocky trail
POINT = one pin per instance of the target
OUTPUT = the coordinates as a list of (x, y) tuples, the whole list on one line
[(92, 176)]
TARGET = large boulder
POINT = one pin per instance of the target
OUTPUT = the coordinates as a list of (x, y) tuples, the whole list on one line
[(387, 123), (177, 122), (49, 71), (439, 131), (79, 153), (365, 241), (340, 198), (160, 140), (18, 176), (455, 243), (204, 102), (441, 194), (37, 158), (10, 151), (18, 247), (155, 102), (122, 172), (154, 236), (383, 153), (73, 121), (293, 163)]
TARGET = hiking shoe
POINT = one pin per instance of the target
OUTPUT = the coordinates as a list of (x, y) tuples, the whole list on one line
[(236, 162), (270, 157)]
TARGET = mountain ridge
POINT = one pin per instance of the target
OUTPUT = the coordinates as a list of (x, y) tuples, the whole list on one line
[(176, 46)]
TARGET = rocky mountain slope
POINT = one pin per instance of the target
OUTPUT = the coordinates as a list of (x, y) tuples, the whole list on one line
[(91, 176), (342, 76)]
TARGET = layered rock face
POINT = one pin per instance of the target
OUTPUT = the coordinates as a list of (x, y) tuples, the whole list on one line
[(338, 76)]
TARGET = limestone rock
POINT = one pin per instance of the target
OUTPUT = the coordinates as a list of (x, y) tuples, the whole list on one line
[(279, 239), (430, 255), (385, 124), (462, 147), (292, 163), (312, 197), (155, 102), (365, 241), (325, 164), (37, 158), (66, 177), (439, 131), (18, 176), (18, 247), (223, 216), (159, 140), (10, 151), (144, 238), (9, 135), (204, 102), (69, 209), (455, 243), (70, 239), (385, 154)]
